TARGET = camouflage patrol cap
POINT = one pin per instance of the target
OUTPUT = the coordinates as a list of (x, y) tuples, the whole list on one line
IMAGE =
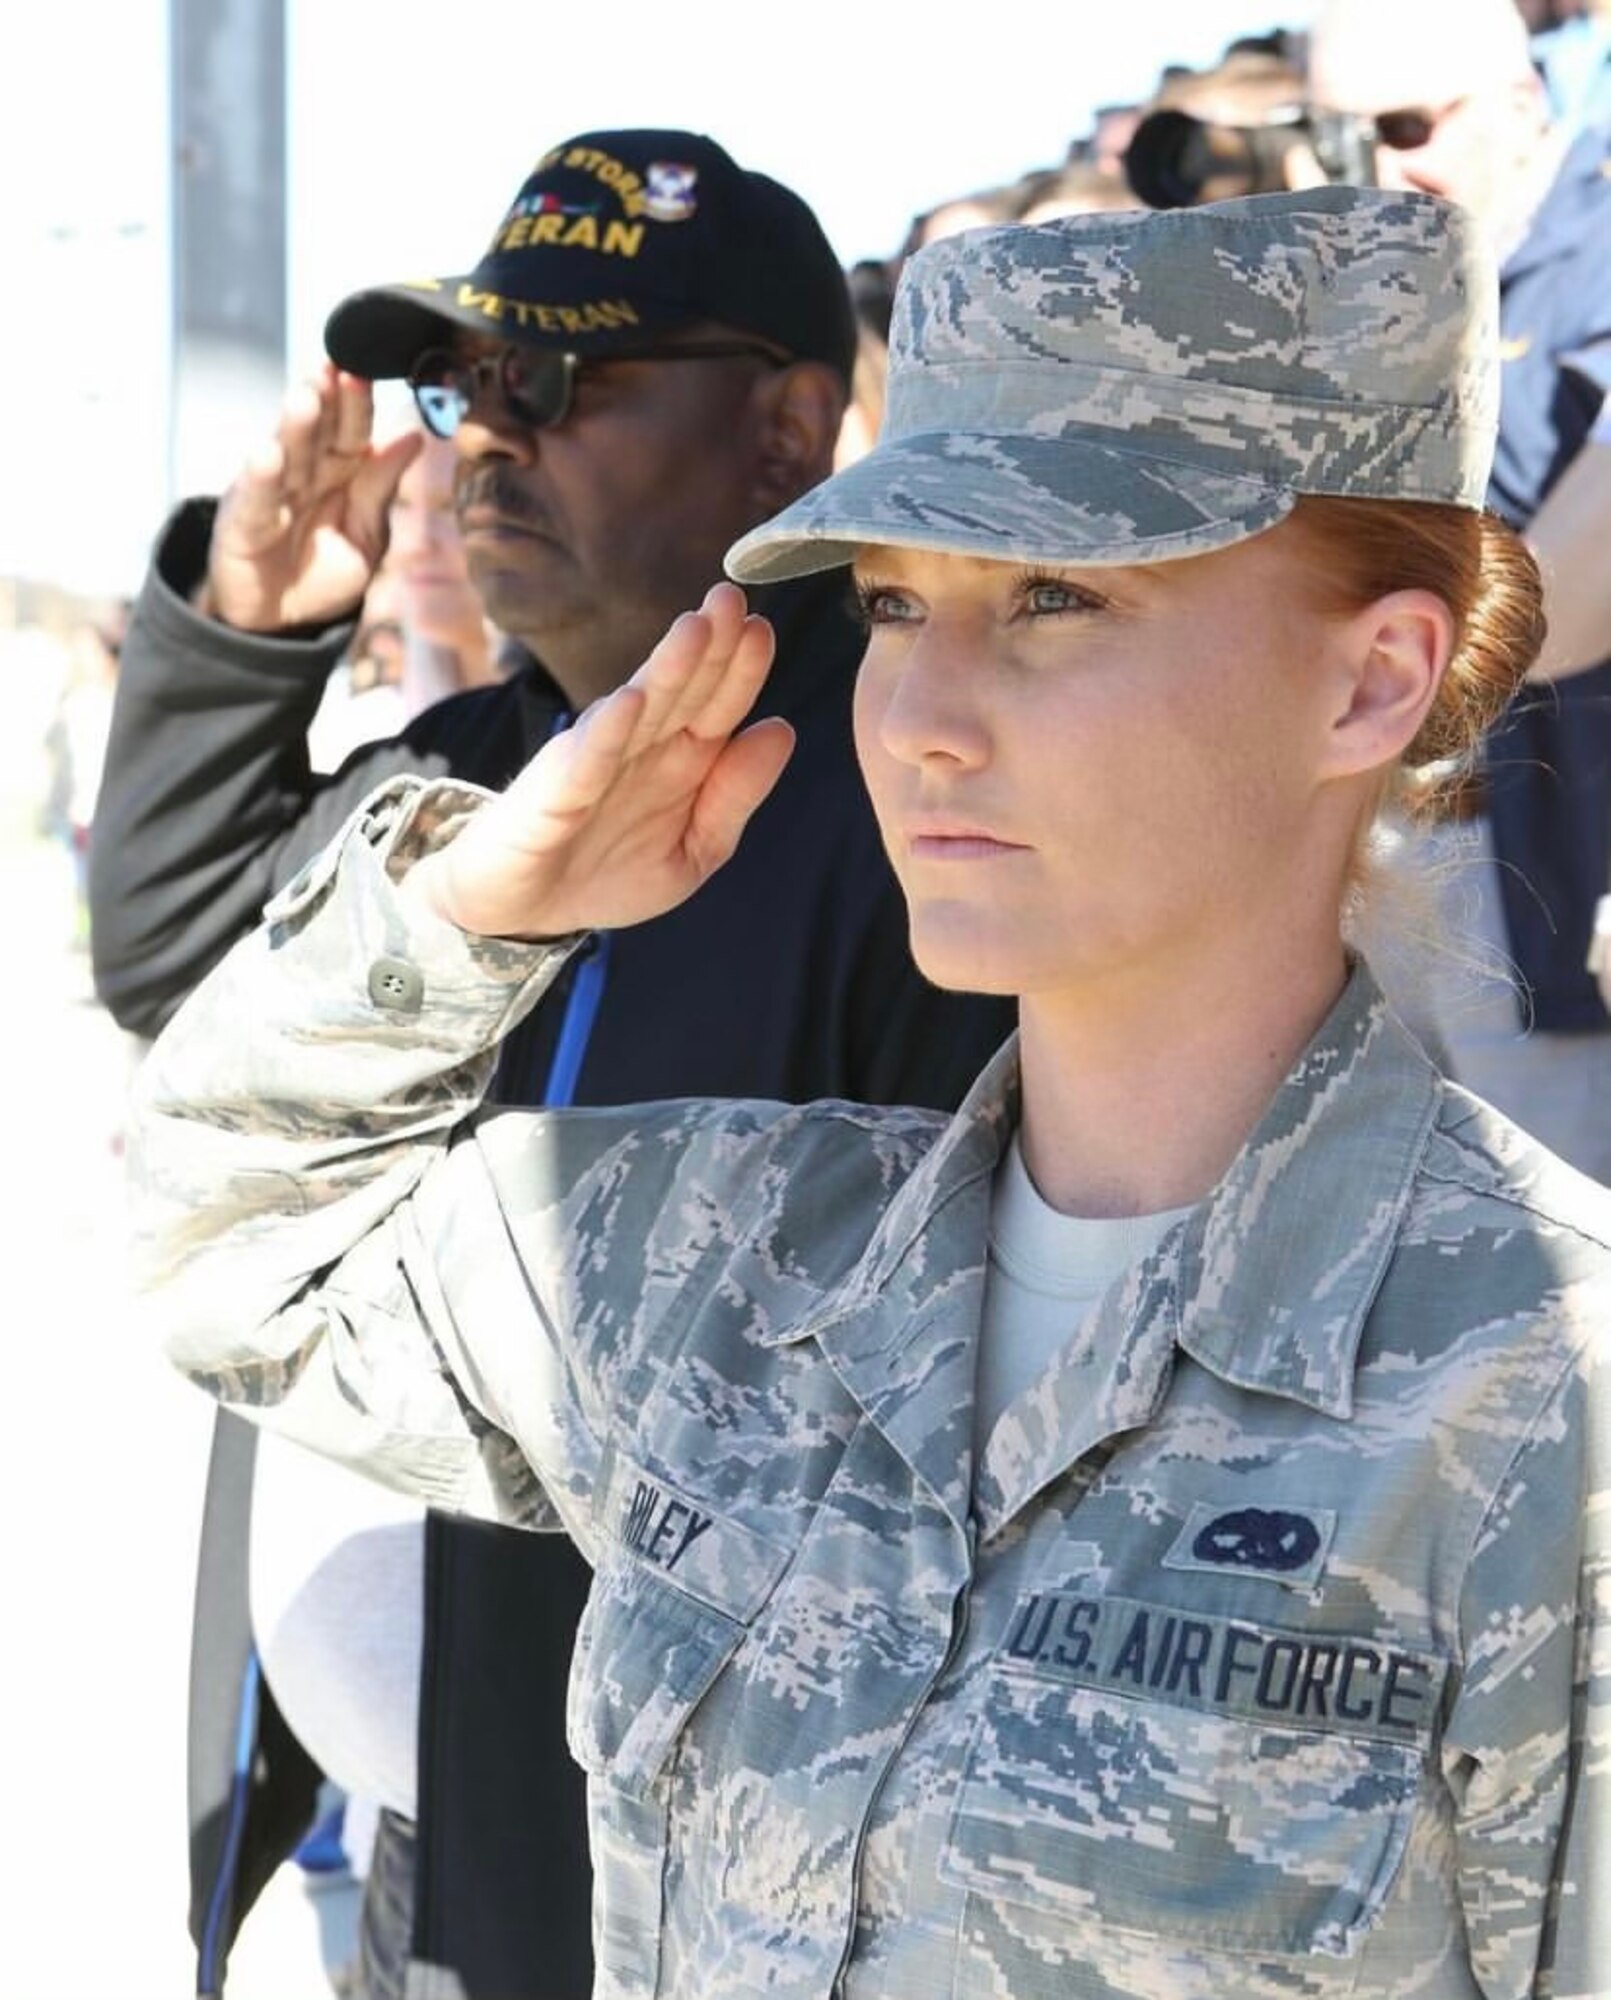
[(1126, 388)]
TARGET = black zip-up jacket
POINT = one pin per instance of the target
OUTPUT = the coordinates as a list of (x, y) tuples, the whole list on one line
[(786, 976)]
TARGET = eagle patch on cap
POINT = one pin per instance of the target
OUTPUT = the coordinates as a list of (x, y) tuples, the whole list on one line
[(669, 191)]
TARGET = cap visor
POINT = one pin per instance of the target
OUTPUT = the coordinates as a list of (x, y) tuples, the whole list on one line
[(1072, 499), (382, 332)]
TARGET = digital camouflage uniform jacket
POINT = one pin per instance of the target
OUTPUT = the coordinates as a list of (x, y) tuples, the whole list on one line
[(1264, 1652)]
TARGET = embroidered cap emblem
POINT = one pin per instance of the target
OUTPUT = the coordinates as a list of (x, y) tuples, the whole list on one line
[(669, 195)]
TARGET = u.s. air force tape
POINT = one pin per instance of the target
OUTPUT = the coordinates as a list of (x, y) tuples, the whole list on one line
[(1228, 1666)]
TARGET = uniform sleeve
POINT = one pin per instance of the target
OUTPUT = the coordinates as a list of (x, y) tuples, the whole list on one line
[(305, 1181), (1528, 1750)]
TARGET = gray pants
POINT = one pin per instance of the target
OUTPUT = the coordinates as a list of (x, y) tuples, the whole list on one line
[(385, 1926)]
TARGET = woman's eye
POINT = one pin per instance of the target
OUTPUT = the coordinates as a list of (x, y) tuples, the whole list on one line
[(1049, 597), (877, 604)]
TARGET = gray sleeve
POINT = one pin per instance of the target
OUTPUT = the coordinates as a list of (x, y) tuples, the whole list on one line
[(1528, 1750), (299, 1155)]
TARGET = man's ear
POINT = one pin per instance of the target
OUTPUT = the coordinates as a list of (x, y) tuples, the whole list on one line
[(1390, 661), (798, 411)]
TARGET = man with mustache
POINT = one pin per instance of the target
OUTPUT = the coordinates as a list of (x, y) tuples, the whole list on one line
[(652, 356)]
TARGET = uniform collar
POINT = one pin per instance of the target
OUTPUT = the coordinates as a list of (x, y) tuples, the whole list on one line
[(1267, 1283), (902, 1329), (1281, 1265)]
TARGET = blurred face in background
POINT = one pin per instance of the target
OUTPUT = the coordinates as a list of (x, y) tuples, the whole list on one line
[(1461, 68), (426, 556)]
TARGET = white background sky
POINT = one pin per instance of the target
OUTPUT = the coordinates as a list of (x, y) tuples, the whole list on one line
[(411, 125), (872, 110)]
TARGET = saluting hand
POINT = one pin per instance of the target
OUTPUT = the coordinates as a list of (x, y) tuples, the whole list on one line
[(303, 529), (624, 815)]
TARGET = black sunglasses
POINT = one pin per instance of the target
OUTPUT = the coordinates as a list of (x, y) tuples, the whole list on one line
[(1406, 130), (537, 384)]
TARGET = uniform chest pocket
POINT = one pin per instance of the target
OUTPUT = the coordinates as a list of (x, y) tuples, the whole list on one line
[(646, 1655), (1189, 1826), (678, 1585)]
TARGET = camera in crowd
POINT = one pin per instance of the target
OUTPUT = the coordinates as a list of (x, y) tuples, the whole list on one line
[(1174, 160)]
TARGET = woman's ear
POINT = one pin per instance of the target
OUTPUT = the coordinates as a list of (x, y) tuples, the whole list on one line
[(798, 414), (1392, 657)]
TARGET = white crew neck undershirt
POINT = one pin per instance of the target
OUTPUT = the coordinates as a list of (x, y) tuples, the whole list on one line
[(1045, 1271)]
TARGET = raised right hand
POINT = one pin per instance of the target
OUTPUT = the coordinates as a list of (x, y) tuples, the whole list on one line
[(624, 815), (303, 529)]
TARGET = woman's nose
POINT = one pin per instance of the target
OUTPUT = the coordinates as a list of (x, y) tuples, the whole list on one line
[(930, 710)]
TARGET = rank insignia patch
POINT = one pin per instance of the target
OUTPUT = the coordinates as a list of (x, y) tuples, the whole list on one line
[(1286, 1544)]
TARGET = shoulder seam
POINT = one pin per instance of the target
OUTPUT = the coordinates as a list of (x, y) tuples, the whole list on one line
[(1511, 1198)]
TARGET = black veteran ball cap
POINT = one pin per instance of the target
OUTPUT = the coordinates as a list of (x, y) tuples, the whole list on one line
[(615, 240)]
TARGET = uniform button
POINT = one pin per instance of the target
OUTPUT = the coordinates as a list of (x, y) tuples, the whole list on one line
[(397, 985)]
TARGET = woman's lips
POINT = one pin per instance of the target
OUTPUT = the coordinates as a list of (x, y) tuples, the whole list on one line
[(958, 843)]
